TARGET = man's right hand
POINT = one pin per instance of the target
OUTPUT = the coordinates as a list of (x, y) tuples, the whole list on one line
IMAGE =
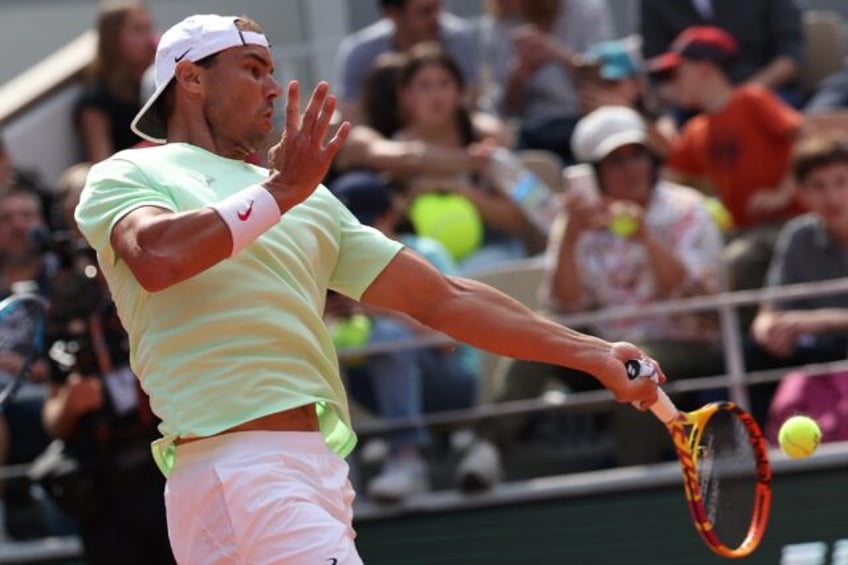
[(83, 394), (641, 391), (301, 159)]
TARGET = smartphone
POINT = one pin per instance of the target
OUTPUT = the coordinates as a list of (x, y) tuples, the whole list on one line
[(580, 180)]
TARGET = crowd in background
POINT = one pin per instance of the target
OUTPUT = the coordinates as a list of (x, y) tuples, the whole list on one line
[(707, 167)]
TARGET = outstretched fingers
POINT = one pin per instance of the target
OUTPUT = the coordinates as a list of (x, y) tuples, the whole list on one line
[(322, 125), (314, 107), (293, 108), (338, 140)]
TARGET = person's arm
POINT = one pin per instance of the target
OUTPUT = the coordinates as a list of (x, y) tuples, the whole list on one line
[(163, 248), (367, 148), (778, 72), (496, 209), (67, 403), (94, 128), (483, 317), (669, 269)]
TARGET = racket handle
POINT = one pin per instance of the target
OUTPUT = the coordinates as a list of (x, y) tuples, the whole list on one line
[(664, 409)]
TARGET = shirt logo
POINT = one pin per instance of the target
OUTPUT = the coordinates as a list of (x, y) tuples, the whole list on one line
[(244, 215)]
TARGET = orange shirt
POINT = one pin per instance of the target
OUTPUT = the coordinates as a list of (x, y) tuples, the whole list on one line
[(745, 147)]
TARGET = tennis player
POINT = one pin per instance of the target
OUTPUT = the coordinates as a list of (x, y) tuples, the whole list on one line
[(220, 269)]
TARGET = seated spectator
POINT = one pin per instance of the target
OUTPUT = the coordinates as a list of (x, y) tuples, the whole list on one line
[(404, 383), (670, 249), (741, 145), (371, 144), (478, 224), (125, 49), (530, 49), (94, 404), (768, 31), (609, 75), (811, 248), (405, 23)]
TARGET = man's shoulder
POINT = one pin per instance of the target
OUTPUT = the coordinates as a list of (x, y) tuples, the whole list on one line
[(802, 229), (452, 24)]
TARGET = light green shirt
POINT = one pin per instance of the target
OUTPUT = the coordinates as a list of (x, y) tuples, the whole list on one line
[(244, 338)]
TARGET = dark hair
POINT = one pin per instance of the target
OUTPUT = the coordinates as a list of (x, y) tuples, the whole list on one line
[(817, 152), (379, 99), (165, 106), (431, 54)]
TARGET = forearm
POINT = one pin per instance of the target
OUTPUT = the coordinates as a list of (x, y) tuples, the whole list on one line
[(404, 157), (566, 286), (670, 272), (780, 71), (513, 97), (487, 319), (828, 320), (496, 211)]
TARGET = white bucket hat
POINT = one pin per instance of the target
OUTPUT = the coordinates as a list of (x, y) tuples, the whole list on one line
[(604, 130), (193, 39)]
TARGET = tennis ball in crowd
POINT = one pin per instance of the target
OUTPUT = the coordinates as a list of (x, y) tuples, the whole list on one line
[(352, 331), (451, 219), (623, 225), (719, 213), (799, 436)]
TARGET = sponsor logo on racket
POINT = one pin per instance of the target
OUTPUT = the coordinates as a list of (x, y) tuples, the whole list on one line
[(244, 215)]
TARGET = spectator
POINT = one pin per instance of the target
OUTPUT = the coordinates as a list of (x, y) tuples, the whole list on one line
[(125, 49), (371, 144), (405, 23), (811, 248), (768, 32), (741, 144), (533, 70), (95, 405), (671, 250), (405, 383), (12, 176), (610, 75), (478, 224)]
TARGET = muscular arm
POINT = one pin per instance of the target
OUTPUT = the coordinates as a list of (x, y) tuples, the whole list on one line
[(163, 248), (485, 318)]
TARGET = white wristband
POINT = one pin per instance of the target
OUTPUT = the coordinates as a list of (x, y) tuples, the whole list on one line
[(248, 213)]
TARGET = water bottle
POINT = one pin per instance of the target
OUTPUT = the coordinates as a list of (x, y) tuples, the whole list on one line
[(533, 196)]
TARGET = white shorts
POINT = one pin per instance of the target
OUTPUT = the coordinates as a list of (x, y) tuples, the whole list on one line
[(260, 498)]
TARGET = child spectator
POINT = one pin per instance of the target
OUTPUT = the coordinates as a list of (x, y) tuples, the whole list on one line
[(811, 248), (741, 145)]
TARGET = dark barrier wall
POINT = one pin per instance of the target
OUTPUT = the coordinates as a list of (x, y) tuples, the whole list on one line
[(650, 527)]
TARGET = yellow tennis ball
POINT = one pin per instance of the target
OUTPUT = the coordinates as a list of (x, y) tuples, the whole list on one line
[(799, 436), (623, 225), (451, 219), (719, 213)]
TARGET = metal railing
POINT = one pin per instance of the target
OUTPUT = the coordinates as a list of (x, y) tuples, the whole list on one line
[(736, 379)]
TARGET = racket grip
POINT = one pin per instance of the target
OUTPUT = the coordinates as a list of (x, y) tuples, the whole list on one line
[(664, 409)]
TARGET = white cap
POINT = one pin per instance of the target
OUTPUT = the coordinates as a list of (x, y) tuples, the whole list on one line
[(193, 39), (601, 132)]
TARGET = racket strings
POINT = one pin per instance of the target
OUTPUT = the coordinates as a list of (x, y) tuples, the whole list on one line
[(21, 335), (727, 472)]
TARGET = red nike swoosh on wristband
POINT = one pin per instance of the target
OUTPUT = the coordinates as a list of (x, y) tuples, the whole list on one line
[(243, 216)]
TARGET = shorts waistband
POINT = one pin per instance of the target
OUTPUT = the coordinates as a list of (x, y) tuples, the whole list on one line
[(237, 443)]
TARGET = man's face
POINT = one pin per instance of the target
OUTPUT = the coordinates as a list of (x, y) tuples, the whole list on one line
[(418, 21), (20, 214), (239, 91), (825, 193)]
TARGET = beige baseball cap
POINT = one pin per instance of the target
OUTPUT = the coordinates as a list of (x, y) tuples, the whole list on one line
[(604, 130)]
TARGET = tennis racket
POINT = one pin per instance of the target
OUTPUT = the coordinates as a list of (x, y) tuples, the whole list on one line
[(726, 471), (22, 325)]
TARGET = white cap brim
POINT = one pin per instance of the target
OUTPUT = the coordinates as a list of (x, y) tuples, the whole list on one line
[(615, 141), (148, 123)]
